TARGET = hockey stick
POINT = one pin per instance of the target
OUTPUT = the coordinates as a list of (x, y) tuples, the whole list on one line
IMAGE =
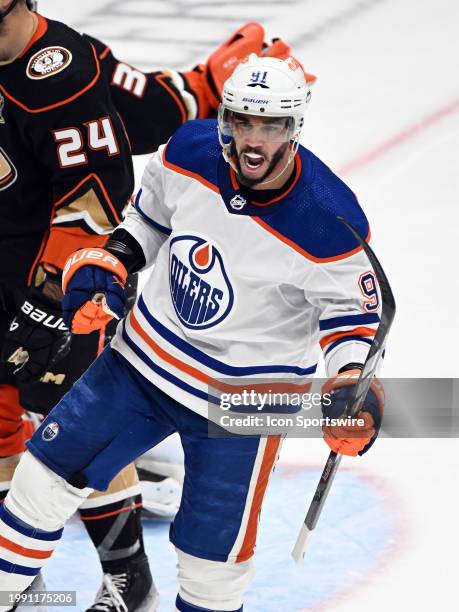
[(356, 399)]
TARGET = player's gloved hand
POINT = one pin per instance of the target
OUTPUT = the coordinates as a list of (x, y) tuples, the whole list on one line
[(221, 63), (207, 80), (37, 338), (281, 50), (93, 284), (351, 439)]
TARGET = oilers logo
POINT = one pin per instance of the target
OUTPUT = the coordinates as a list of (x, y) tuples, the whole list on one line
[(200, 288), (50, 432)]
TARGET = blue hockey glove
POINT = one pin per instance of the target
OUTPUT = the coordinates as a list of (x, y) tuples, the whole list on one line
[(351, 439), (93, 284)]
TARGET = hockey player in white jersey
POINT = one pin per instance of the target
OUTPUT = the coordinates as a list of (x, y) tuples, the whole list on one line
[(253, 276)]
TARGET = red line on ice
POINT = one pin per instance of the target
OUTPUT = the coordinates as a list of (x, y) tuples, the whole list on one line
[(400, 138)]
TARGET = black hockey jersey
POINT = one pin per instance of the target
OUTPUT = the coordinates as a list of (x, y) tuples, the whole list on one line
[(153, 105), (65, 162)]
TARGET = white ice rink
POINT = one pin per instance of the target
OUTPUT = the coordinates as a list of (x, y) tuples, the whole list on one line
[(385, 116)]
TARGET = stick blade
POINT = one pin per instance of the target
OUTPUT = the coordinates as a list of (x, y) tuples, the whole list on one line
[(299, 550)]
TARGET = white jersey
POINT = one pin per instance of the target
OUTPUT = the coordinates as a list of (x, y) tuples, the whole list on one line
[(240, 289)]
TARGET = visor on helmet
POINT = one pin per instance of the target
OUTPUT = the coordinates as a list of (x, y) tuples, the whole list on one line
[(269, 129)]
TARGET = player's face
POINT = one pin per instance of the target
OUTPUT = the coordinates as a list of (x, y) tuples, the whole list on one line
[(260, 145)]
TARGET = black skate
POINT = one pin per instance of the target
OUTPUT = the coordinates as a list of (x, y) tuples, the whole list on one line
[(130, 590)]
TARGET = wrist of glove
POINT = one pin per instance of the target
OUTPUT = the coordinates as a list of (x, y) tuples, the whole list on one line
[(37, 338), (357, 436), (93, 284)]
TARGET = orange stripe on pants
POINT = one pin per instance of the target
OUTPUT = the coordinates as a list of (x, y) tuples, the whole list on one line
[(269, 459)]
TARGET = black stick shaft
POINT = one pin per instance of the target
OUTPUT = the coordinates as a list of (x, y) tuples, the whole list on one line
[(357, 398)]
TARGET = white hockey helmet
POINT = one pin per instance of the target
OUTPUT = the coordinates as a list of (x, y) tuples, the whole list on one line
[(267, 87)]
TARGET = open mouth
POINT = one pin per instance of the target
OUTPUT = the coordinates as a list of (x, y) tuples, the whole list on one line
[(253, 161)]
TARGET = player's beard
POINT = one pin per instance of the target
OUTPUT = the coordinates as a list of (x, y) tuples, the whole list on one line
[(5, 42), (248, 181)]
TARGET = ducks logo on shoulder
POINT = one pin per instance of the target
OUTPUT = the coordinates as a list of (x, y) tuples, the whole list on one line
[(47, 62), (200, 288)]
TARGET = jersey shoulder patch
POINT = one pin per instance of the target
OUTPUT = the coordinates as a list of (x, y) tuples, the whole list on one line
[(58, 67), (194, 150), (310, 221)]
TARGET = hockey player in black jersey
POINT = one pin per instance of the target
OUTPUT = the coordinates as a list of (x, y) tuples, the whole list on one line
[(65, 178), (61, 144)]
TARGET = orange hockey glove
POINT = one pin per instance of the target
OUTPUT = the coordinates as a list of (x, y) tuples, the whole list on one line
[(206, 80), (279, 49), (351, 439), (93, 283)]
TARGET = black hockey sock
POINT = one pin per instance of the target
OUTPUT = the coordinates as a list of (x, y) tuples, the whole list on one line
[(116, 532)]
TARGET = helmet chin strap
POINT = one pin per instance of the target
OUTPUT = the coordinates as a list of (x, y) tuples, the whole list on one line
[(8, 10), (289, 160)]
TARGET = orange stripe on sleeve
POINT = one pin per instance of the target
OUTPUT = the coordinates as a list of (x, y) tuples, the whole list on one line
[(63, 241), (104, 53), (364, 332)]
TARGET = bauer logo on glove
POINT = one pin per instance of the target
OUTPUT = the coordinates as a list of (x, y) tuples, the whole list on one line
[(93, 284), (37, 338)]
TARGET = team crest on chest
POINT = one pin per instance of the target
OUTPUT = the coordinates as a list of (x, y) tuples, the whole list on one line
[(200, 288), (47, 62)]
